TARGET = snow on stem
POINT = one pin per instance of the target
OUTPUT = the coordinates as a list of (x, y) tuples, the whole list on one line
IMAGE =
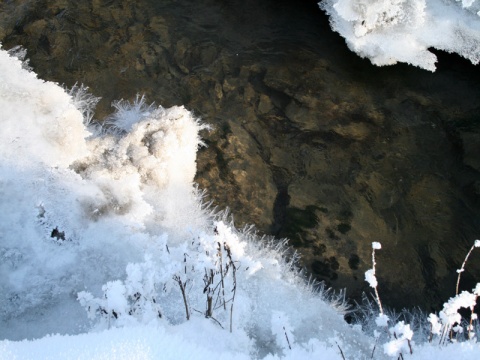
[(462, 269), (370, 275)]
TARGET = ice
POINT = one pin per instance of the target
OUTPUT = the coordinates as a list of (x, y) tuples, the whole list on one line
[(387, 32)]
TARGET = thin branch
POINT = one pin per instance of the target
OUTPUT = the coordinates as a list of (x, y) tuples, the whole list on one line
[(182, 289), (341, 352), (462, 269), (288, 341)]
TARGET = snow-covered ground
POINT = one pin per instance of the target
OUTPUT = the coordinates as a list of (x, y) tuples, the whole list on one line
[(107, 250), (391, 31)]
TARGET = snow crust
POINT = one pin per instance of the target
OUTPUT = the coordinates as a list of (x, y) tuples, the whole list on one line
[(392, 31)]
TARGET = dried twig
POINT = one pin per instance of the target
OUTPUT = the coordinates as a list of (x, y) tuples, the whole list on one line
[(221, 274), (234, 275), (341, 352), (182, 289), (288, 341)]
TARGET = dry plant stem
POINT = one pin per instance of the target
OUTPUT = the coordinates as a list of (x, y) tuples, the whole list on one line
[(234, 290), (470, 326), (341, 352), (208, 280), (209, 306), (378, 301), (375, 288), (410, 346), (463, 268), (288, 341), (221, 274), (218, 322), (443, 336), (182, 289), (400, 356), (374, 347)]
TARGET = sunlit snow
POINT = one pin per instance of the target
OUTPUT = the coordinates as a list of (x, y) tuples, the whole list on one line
[(391, 31)]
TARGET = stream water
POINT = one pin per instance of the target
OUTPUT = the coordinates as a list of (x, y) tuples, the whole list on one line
[(310, 142)]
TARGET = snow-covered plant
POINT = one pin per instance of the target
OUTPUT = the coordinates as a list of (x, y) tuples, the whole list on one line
[(449, 319), (149, 286), (401, 336), (370, 275), (462, 269), (128, 302)]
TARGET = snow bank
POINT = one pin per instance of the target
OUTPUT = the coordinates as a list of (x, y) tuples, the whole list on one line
[(78, 206), (391, 31)]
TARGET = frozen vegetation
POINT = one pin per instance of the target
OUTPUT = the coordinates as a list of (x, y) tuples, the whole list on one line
[(391, 31), (108, 251)]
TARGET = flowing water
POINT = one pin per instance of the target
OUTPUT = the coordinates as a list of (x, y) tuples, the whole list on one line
[(309, 141)]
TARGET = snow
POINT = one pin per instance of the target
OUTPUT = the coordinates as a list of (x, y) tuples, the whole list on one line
[(401, 335), (371, 278), (436, 326), (382, 320), (106, 247), (391, 31)]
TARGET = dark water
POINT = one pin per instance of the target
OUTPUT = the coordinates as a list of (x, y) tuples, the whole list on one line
[(310, 141)]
